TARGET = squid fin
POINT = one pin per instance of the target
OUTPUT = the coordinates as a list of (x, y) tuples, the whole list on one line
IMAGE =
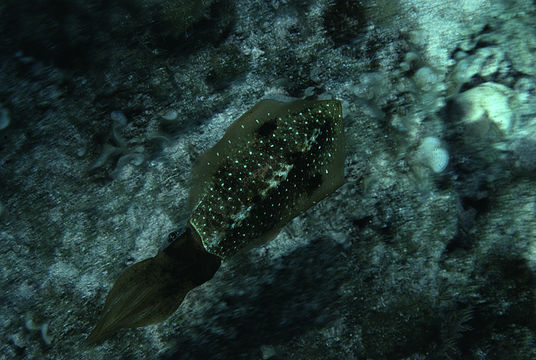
[(149, 291)]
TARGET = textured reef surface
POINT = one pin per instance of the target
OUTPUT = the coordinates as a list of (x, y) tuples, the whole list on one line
[(427, 251)]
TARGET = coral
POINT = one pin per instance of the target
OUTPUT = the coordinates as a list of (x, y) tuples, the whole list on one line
[(485, 108), (432, 154), (110, 152), (42, 328)]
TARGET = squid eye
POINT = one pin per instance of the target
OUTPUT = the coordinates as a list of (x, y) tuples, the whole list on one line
[(172, 237)]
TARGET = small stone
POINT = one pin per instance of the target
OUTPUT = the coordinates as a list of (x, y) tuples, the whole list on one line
[(118, 117), (5, 118), (267, 352), (171, 115)]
